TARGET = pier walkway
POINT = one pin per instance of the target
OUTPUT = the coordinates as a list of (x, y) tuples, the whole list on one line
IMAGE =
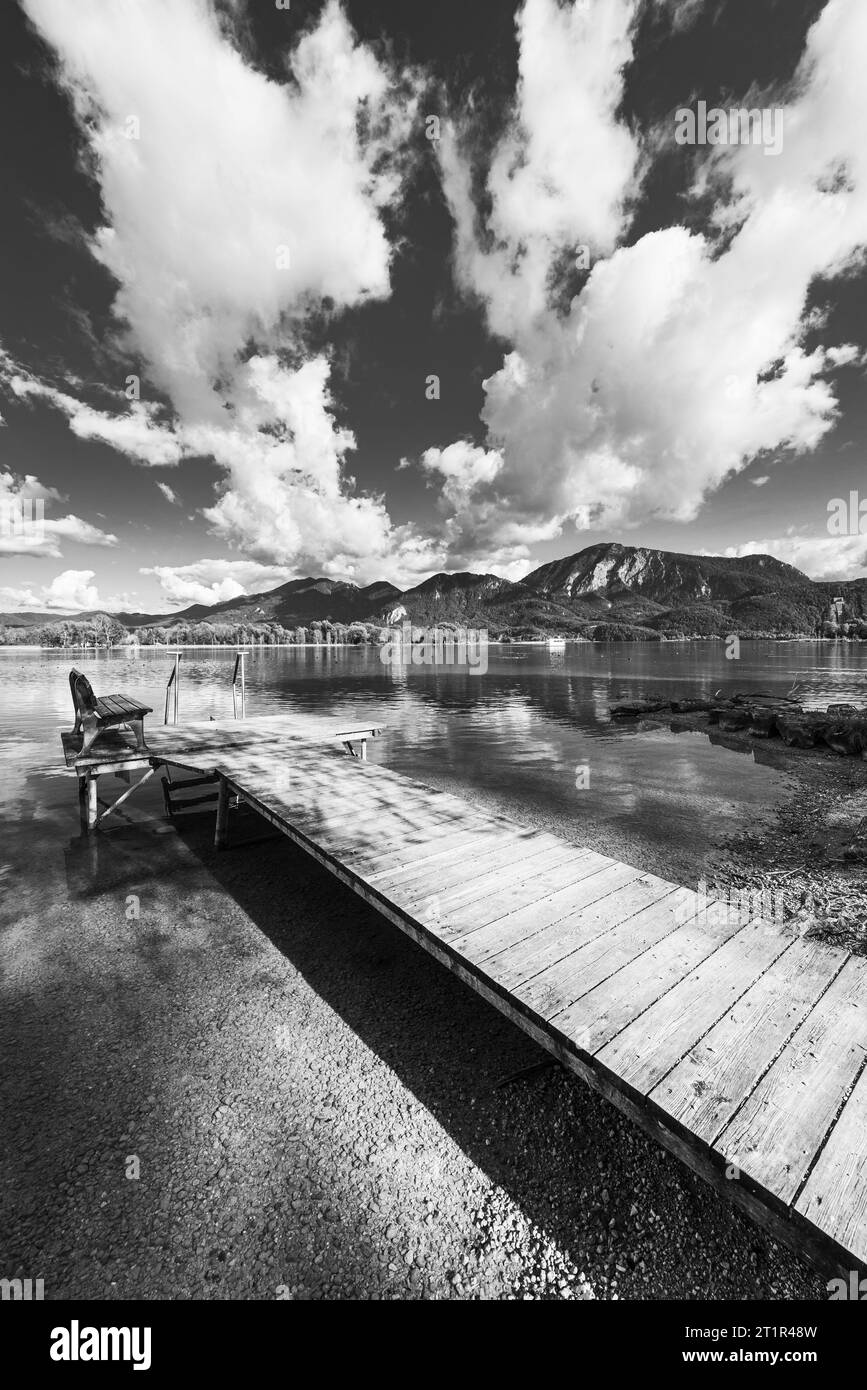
[(736, 1043)]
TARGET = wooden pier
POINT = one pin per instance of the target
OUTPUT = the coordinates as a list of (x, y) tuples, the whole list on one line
[(737, 1044), (116, 754)]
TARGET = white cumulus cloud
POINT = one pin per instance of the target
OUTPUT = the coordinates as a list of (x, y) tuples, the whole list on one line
[(27, 526), (233, 207), (214, 581), (820, 557), (72, 591), (683, 358)]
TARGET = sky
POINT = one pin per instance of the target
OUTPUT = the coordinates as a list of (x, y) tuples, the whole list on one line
[(382, 288)]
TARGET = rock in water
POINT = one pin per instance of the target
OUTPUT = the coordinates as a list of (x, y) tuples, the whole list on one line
[(846, 736), (731, 720), (633, 709), (797, 730)]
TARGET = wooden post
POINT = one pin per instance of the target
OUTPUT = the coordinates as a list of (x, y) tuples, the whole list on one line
[(177, 682), (82, 804), (221, 834), (92, 805)]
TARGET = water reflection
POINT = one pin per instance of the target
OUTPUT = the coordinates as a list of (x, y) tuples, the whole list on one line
[(517, 732)]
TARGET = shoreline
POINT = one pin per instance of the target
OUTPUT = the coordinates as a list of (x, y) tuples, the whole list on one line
[(817, 842), (132, 649)]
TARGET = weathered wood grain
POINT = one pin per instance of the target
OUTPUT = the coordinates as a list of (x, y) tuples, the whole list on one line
[(784, 1123), (835, 1195), (604, 1011), (639, 928), (708, 1085), (657, 1040)]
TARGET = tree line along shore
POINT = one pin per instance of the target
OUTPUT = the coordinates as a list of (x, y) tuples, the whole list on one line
[(104, 631)]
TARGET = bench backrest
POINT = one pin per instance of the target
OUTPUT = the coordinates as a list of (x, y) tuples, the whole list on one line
[(83, 697)]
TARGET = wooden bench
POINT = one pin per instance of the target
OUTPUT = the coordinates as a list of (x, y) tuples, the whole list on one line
[(92, 716)]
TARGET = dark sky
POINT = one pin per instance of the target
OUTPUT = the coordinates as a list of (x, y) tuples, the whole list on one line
[(62, 325)]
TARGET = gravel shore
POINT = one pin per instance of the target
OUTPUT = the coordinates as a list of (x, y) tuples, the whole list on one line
[(809, 857), (257, 1089)]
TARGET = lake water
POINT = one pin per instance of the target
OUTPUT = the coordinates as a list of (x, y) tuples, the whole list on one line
[(513, 738)]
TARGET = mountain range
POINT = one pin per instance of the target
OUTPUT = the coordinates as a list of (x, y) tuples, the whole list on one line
[(605, 590)]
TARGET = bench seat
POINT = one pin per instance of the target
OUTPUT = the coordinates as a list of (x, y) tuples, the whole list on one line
[(119, 706), (92, 715)]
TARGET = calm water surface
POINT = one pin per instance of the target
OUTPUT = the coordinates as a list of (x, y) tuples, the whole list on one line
[(516, 734)]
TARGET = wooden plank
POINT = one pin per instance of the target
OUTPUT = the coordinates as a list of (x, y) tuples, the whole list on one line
[(124, 704), (360, 840), (650, 1045), (372, 835), (514, 884), (421, 897), (466, 912), (596, 960), (517, 884), (120, 706), (275, 729), (438, 842), (706, 1088), (300, 780), (303, 802), (512, 962), (783, 1124), (305, 798), (386, 832), (538, 852), (616, 894), (550, 900), (599, 1014), (501, 851), (835, 1195)]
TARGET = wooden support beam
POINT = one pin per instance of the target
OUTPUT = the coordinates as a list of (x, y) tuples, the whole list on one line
[(129, 791), (221, 834)]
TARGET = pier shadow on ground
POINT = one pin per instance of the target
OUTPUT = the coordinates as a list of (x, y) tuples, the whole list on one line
[(563, 1154), (156, 1035)]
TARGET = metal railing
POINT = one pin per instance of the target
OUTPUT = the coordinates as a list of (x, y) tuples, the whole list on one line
[(240, 661), (173, 687)]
